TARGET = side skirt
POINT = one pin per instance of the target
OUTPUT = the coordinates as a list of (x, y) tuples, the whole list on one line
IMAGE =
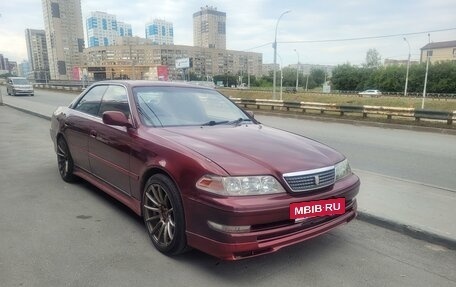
[(130, 202)]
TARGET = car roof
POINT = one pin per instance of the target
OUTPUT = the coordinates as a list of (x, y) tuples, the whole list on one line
[(145, 83)]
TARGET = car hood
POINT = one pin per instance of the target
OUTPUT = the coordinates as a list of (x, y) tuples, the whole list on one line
[(254, 149)]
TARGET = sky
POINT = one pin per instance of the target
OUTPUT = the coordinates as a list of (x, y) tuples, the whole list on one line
[(251, 25)]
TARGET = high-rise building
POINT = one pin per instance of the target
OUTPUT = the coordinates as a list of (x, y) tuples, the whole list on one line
[(13, 68), (2, 63), (64, 37), (160, 32), (23, 70), (209, 28), (124, 29), (103, 28), (37, 54)]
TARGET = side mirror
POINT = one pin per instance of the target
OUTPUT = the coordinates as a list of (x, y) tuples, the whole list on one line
[(251, 114), (116, 118)]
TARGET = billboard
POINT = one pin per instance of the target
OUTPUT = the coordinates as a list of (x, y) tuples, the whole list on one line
[(182, 63), (162, 73)]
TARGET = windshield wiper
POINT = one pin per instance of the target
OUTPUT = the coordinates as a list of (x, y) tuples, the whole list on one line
[(238, 121), (235, 122), (214, 123)]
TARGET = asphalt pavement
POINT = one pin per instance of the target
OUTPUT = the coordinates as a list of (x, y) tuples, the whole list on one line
[(419, 209), (59, 234)]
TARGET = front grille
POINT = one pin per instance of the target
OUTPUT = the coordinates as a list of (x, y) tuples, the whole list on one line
[(310, 179)]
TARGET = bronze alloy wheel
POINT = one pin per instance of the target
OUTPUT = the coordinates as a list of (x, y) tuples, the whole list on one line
[(163, 215), (159, 215)]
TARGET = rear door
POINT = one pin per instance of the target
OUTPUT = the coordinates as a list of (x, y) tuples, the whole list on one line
[(78, 124)]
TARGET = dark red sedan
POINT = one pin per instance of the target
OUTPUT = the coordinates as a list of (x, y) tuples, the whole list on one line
[(202, 172)]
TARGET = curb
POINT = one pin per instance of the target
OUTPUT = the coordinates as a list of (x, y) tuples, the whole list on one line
[(409, 230), (28, 112)]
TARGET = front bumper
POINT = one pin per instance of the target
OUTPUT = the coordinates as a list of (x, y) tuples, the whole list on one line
[(22, 92), (271, 228)]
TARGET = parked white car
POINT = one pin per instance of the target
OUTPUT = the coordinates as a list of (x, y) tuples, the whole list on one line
[(375, 93)]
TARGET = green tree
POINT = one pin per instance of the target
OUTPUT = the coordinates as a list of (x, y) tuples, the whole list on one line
[(227, 79), (346, 77), (318, 76), (442, 77)]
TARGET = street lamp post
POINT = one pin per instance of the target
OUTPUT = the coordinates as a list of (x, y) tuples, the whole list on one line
[(307, 81), (274, 45), (426, 75), (408, 67), (281, 77), (297, 71)]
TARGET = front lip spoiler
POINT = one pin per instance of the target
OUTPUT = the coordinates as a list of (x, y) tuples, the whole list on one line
[(237, 251)]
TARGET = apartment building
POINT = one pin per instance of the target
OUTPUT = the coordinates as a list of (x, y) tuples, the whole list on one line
[(37, 54), (103, 28), (160, 32), (133, 58), (64, 37), (439, 51), (209, 28)]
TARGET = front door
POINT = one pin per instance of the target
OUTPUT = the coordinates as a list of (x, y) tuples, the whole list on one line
[(110, 146)]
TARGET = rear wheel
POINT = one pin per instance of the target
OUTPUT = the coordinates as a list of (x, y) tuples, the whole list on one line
[(163, 215), (65, 161)]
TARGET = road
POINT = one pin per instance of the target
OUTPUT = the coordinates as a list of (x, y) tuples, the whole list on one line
[(59, 234), (424, 157)]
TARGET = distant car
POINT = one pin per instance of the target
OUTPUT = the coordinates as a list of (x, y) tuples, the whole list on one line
[(19, 86), (370, 93), (201, 171)]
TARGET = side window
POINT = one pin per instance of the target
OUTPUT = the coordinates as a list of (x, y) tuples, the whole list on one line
[(115, 99), (90, 103)]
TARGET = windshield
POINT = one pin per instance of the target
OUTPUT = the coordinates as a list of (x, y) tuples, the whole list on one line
[(20, 82), (182, 106)]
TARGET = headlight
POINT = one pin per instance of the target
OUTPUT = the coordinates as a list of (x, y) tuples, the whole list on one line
[(342, 169), (240, 185)]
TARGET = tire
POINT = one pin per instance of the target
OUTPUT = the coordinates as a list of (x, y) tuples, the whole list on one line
[(65, 161), (163, 215)]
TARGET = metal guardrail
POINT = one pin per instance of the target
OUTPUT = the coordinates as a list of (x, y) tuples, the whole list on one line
[(342, 109), (352, 93)]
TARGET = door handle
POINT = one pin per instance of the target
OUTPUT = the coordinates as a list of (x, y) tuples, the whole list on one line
[(93, 133)]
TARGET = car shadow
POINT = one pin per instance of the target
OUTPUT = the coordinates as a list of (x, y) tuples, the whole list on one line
[(241, 271), (288, 260)]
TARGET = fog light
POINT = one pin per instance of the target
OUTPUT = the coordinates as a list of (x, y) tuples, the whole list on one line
[(228, 228)]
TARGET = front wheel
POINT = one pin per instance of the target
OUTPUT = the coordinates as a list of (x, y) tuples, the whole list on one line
[(163, 215)]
